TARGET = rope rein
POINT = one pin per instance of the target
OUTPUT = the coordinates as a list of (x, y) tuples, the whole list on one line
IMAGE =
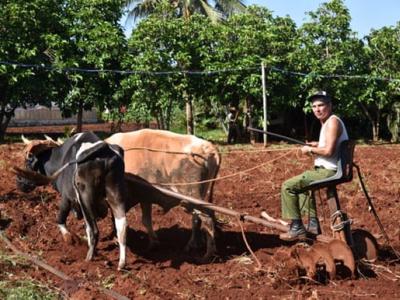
[(259, 265), (227, 176), (221, 152)]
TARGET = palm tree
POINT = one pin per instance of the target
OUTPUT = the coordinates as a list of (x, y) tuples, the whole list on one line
[(185, 8)]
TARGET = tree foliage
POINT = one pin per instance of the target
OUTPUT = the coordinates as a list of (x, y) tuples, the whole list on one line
[(23, 29), (91, 39), (186, 8), (169, 45), (180, 57), (381, 98)]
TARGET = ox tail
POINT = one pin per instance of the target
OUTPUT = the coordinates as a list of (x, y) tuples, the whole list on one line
[(38, 178), (213, 166)]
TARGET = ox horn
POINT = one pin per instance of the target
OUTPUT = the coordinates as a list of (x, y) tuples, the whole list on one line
[(50, 139), (25, 140)]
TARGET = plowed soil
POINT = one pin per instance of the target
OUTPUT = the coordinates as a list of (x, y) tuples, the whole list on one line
[(29, 221)]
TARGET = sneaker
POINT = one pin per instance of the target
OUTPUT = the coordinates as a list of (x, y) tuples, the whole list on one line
[(296, 232), (313, 226)]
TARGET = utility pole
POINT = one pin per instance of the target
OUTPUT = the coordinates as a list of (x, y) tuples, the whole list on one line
[(264, 101)]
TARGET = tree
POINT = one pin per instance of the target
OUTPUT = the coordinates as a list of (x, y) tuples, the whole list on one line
[(328, 47), (162, 43), (186, 8), (92, 39), (24, 26), (380, 98), (245, 40)]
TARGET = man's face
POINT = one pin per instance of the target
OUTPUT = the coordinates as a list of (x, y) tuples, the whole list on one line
[(322, 110)]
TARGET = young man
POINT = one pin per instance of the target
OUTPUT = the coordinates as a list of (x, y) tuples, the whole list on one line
[(232, 125), (295, 205)]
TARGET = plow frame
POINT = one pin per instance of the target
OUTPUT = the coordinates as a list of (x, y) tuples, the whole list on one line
[(340, 246)]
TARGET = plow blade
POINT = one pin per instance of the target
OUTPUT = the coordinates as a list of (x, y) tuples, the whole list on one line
[(326, 259), (365, 245)]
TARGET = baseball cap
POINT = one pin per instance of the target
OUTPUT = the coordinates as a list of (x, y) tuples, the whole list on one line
[(320, 95)]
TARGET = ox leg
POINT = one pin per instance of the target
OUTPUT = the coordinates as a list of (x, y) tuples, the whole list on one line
[(209, 228), (114, 198), (65, 208), (92, 233), (121, 225), (148, 224), (195, 239)]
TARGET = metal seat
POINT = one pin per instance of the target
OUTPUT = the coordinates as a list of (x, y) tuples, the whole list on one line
[(344, 172), (340, 223)]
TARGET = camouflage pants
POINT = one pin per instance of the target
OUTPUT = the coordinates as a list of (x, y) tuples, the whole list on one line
[(295, 205)]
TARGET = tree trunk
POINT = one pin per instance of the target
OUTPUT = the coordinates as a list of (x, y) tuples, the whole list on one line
[(306, 129), (189, 113), (249, 117), (5, 118), (393, 122), (79, 118), (375, 130), (375, 123), (377, 126)]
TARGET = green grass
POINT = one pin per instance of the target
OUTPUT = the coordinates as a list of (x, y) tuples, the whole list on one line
[(13, 287), (26, 290), (213, 135)]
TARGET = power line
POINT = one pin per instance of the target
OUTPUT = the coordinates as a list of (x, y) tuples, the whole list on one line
[(313, 74), (125, 72), (192, 72)]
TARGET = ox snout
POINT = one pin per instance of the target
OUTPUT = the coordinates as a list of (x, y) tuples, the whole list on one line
[(25, 185)]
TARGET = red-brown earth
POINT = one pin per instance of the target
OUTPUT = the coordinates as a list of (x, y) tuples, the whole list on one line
[(29, 221)]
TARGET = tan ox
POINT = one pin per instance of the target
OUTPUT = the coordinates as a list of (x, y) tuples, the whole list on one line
[(176, 162)]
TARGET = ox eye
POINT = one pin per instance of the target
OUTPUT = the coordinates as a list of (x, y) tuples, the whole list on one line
[(31, 161)]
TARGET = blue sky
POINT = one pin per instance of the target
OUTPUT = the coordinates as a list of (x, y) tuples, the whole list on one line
[(365, 14)]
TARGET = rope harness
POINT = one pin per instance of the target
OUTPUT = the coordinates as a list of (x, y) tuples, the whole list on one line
[(289, 151)]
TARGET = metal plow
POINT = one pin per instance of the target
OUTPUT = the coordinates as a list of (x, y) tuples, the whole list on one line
[(321, 254)]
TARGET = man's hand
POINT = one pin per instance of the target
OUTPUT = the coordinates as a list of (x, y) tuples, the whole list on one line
[(306, 150), (312, 144)]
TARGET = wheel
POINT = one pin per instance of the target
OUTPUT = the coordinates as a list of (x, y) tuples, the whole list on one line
[(365, 245)]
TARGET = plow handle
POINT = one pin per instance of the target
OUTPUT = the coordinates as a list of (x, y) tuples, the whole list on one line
[(277, 135)]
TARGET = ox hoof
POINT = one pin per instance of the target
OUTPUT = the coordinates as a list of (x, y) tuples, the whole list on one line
[(153, 244), (90, 254), (193, 245), (207, 258), (121, 266)]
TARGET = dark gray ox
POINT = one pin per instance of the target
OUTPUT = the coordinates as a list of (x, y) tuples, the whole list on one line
[(179, 161), (89, 174)]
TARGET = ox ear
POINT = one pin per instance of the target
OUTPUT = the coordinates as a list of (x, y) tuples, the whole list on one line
[(25, 140), (38, 178), (60, 141)]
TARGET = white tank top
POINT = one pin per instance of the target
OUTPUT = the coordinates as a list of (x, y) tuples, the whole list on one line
[(330, 162)]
